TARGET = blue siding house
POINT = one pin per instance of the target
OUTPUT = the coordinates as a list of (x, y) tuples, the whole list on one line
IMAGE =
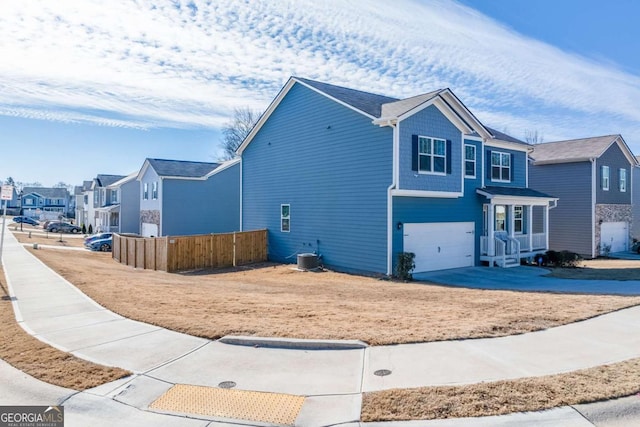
[(186, 198), (358, 178), (594, 179), (44, 202)]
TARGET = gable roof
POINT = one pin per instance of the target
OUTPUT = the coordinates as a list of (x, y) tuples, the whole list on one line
[(47, 192), (369, 103), (181, 168), (124, 180), (104, 180), (578, 150), (383, 109)]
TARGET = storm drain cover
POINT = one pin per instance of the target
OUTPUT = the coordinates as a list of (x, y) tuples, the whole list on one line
[(227, 384), (382, 372), (263, 407)]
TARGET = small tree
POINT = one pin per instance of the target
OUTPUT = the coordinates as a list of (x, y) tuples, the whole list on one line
[(406, 264), (90, 230), (236, 130), (533, 137), (84, 229)]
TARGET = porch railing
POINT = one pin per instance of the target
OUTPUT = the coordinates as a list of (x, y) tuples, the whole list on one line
[(538, 242)]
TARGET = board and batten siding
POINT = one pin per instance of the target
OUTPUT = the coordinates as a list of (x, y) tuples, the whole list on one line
[(430, 122), (615, 159), (202, 206), (333, 167), (570, 223), (428, 209)]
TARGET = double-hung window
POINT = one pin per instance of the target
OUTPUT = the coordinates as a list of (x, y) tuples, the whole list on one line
[(145, 191), (285, 218), (154, 190), (469, 161), (605, 178), (500, 166), (432, 155), (517, 219), (623, 180)]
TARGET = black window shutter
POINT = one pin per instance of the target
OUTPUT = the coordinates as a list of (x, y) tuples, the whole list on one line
[(511, 166), (414, 153), (448, 157), (488, 154)]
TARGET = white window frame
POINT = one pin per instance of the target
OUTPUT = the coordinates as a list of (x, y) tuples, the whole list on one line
[(154, 190), (501, 167), (518, 219), (114, 196), (470, 161), (605, 178), (28, 201), (145, 191), (286, 218), (431, 155), (623, 180)]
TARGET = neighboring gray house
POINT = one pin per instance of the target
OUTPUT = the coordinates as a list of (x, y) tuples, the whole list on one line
[(83, 194), (635, 198), (186, 198), (593, 179), (122, 213)]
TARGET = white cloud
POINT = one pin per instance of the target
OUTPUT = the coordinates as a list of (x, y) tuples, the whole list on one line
[(161, 63)]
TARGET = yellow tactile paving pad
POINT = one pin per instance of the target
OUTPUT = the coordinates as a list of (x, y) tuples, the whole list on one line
[(239, 404)]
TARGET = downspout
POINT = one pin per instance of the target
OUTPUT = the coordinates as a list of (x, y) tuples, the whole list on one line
[(160, 199), (593, 207), (394, 180), (241, 193)]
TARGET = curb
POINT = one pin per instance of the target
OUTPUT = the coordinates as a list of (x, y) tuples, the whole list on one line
[(293, 343)]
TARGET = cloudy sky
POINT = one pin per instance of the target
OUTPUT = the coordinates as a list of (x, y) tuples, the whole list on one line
[(89, 87)]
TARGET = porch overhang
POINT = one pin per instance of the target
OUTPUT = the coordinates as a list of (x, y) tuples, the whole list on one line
[(108, 208), (516, 196)]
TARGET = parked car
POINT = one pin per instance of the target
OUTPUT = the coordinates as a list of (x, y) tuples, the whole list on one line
[(103, 245), (636, 247), (25, 220), (98, 236), (63, 227)]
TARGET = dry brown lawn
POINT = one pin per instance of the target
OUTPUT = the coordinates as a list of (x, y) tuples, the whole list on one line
[(277, 301), (601, 269), (52, 239), (502, 397), (41, 361)]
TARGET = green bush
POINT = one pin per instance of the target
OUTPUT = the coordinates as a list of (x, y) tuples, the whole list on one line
[(563, 259), (406, 264), (84, 228), (90, 230)]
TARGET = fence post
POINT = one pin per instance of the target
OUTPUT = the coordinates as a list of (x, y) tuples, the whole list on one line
[(234, 249)]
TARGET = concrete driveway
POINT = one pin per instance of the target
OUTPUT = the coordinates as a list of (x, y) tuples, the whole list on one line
[(525, 278)]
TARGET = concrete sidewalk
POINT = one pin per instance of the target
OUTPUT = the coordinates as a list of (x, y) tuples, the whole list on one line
[(331, 380)]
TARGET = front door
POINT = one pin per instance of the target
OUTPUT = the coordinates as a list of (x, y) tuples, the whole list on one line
[(501, 218)]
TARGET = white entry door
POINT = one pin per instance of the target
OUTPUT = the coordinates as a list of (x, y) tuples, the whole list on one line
[(440, 245), (615, 235)]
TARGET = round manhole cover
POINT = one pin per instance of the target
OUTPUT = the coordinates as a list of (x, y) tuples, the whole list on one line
[(227, 384), (382, 372)]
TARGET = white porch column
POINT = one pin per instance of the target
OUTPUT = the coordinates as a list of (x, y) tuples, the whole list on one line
[(511, 213), (546, 226), (530, 226), (491, 244)]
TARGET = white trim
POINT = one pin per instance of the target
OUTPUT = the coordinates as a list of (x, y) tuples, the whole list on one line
[(495, 199), (471, 138), (483, 165), (449, 97), (241, 194), (602, 181), (507, 145), (160, 206), (501, 167), (432, 194), (395, 178), (282, 217), (620, 180), (124, 180), (223, 166), (625, 149), (433, 156)]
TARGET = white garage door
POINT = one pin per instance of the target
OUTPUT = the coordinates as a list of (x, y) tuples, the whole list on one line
[(614, 234), (149, 230), (440, 245)]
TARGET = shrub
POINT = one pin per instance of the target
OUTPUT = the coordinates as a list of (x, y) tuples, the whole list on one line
[(84, 229), (90, 230), (406, 264), (563, 259)]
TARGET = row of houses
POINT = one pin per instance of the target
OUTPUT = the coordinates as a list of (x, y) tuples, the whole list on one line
[(358, 178)]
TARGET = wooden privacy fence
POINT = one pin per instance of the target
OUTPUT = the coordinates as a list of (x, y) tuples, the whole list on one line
[(180, 253)]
